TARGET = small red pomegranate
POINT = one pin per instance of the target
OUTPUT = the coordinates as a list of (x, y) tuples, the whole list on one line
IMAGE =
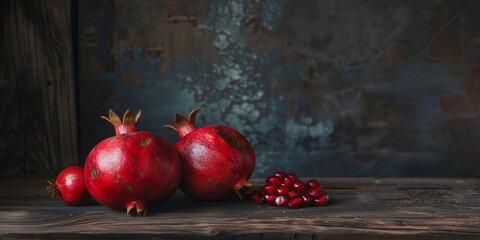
[(216, 160), (132, 169), (70, 186)]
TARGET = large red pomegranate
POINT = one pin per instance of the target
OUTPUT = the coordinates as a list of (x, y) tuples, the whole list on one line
[(216, 160), (131, 170)]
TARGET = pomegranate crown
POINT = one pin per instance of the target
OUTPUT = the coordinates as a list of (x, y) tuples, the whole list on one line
[(129, 123), (183, 125), (180, 121)]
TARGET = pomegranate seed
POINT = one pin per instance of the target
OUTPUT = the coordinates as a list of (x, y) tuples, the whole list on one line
[(269, 189), (307, 200), (281, 201), (280, 174), (299, 185), (312, 183), (272, 180), (288, 181), (295, 203), (258, 199), (270, 199), (321, 201), (263, 193), (293, 193), (282, 190), (316, 191), (292, 175)]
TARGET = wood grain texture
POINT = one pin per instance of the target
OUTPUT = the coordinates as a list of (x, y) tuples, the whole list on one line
[(362, 208), (38, 136)]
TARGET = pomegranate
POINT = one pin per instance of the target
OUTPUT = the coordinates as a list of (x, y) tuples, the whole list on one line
[(287, 190), (132, 170), (70, 186), (216, 160)]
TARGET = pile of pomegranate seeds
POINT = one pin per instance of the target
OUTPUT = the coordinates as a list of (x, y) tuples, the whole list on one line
[(286, 190)]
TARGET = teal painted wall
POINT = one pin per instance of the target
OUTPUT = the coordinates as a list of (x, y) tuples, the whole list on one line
[(320, 88)]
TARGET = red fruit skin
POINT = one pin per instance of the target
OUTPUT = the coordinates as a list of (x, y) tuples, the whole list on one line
[(292, 175), (270, 199), (282, 190), (269, 189), (316, 191), (216, 160), (312, 183), (262, 192), (307, 200), (293, 193), (281, 201), (132, 168), (70, 186), (274, 181), (299, 185), (258, 199), (280, 174), (321, 201), (288, 181), (295, 203)]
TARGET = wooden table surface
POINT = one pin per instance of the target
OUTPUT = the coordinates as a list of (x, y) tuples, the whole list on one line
[(359, 208)]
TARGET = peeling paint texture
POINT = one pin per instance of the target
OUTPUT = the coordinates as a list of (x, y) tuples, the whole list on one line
[(327, 88)]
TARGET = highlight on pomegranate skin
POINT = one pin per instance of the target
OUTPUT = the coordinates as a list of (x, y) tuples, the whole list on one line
[(287, 190), (132, 170), (70, 187), (216, 160)]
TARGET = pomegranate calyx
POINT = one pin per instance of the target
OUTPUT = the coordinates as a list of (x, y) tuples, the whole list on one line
[(180, 121), (135, 209), (191, 116), (183, 125), (243, 188), (52, 189), (129, 123)]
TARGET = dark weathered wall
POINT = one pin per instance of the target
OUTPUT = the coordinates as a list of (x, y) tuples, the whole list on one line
[(324, 88)]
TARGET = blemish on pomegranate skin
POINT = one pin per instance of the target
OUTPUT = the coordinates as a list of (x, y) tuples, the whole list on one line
[(93, 172), (130, 188), (211, 180), (71, 177), (209, 137), (230, 139), (173, 183), (119, 179), (145, 142), (112, 139)]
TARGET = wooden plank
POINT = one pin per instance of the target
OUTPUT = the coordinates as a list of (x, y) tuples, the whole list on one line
[(384, 208), (37, 114)]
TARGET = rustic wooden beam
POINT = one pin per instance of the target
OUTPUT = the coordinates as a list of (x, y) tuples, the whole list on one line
[(38, 128)]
